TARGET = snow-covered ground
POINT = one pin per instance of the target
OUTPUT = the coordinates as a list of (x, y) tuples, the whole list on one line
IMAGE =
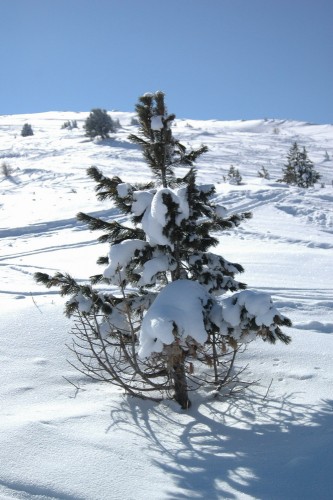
[(89, 441)]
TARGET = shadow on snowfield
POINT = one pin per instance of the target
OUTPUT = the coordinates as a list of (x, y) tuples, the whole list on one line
[(249, 447)]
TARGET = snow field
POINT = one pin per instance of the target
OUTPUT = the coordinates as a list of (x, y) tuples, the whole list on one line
[(84, 440)]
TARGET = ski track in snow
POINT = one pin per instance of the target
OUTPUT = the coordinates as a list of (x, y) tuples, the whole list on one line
[(89, 442)]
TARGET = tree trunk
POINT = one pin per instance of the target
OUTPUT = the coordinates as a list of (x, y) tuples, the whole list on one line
[(179, 378)]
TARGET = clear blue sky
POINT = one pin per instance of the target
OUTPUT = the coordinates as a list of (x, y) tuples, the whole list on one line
[(222, 59)]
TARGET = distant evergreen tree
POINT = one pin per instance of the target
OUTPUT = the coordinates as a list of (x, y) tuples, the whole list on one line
[(153, 323), (26, 130), (299, 169), (99, 124)]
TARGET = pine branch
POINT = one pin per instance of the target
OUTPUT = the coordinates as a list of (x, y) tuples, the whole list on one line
[(66, 283), (115, 232), (98, 278), (42, 278), (101, 261), (231, 222), (137, 140), (192, 156), (105, 186), (107, 189), (277, 334), (94, 223)]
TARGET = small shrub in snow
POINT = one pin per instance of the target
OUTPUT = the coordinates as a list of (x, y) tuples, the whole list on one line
[(326, 156), (155, 322), (99, 124), (26, 130), (69, 124), (299, 169), (263, 173), (6, 169), (233, 176)]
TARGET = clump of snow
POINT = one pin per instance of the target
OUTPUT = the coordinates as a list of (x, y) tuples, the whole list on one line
[(206, 188), (157, 214), (177, 313), (123, 189), (84, 303), (154, 266), (156, 122), (184, 209), (154, 230), (221, 211), (179, 309), (141, 201), (120, 255), (242, 308)]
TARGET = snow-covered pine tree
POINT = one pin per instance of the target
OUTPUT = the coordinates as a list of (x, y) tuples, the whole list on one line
[(233, 176), (154, 322), (290, 168), (299, 169), (307, 175)]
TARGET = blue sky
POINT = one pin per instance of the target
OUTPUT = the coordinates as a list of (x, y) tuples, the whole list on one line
[(222, 59)]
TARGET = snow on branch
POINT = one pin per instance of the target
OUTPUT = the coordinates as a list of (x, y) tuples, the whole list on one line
[(249, 314), (176, 313)]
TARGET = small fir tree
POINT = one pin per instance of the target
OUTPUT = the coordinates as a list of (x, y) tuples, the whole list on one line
[(26, 130), (233, 176), (299, 169), (155, 322), (290, 168), (99, 124), (263, 173), (307, 175)]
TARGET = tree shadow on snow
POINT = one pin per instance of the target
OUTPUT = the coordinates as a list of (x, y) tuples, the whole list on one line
[(112, 142), (249, 447)]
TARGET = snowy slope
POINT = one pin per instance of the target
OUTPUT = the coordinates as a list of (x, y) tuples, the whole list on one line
[(89, 441)]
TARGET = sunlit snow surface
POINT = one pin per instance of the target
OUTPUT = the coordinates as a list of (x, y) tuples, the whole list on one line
[(87, 440)]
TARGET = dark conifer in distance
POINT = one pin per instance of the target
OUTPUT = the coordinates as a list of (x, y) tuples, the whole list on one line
[(26, 130), (99, 124)]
